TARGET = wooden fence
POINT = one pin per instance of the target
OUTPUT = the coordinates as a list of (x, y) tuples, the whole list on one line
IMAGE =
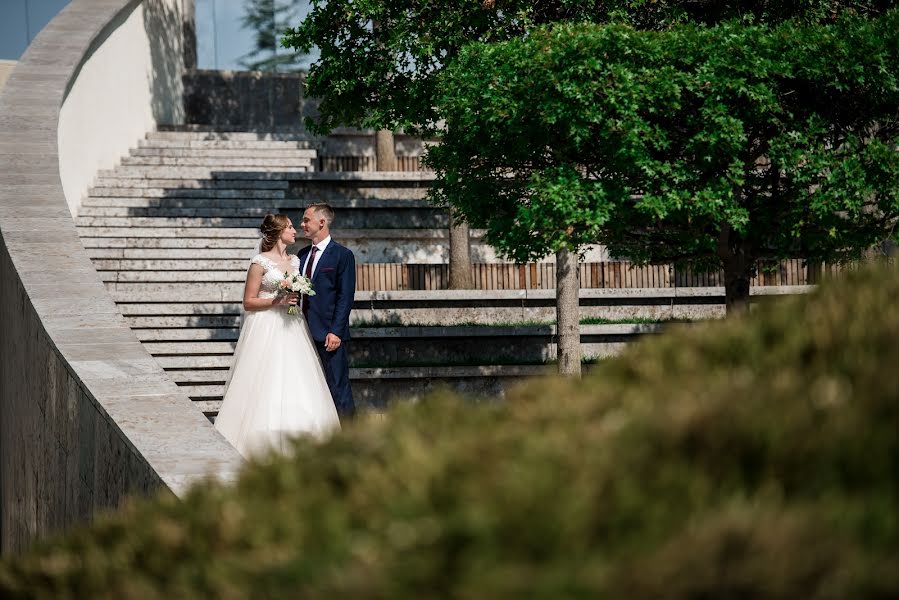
[(366, 163), (612, 274)]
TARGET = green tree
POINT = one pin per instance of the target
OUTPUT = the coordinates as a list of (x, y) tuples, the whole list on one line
[(268, 19), (389, 76), (717, 146), (386, 77)]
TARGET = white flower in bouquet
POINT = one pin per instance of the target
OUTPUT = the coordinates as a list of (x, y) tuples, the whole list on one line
[(295, 284)]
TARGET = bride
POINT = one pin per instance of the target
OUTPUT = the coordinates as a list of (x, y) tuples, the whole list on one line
[(276, 388)]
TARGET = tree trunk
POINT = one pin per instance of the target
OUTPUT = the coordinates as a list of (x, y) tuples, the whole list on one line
[(385, 153), (460, 271), (568, 313), (738, 265)]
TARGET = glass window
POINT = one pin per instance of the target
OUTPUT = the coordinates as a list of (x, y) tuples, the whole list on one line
[(236, 36)]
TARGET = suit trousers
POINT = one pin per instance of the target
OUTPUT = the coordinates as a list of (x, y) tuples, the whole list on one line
[(337, 374)]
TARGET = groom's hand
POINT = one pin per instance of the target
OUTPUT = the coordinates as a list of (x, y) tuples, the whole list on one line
[(332, 342)]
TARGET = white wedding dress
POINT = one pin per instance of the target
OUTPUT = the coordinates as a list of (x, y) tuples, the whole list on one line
[(276, 389)]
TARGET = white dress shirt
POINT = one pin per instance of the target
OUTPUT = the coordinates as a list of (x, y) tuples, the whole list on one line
[(321, 248)]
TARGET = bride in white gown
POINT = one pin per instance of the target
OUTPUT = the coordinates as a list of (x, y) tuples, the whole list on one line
[(276, 388)]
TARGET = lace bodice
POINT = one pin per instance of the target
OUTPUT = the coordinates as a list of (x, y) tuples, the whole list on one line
[(273, 274)]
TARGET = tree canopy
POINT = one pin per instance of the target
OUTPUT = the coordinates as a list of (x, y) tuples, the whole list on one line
[(386, 76), (717, 145)]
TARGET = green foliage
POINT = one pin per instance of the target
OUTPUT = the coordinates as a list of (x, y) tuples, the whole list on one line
[(753, 458), (717, 145), (386, 76)]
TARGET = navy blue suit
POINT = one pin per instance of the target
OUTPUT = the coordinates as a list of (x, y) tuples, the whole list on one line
[(334, 282)]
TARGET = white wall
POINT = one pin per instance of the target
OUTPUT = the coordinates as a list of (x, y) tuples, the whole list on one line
[(130, 82), (6, 67)]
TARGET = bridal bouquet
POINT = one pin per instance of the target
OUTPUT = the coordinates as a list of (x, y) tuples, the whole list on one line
[(295, 284)]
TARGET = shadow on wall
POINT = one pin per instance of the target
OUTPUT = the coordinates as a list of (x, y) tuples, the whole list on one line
[(164, 22)]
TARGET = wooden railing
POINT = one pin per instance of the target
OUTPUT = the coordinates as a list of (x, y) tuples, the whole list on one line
[(366, 163), (611, 274)]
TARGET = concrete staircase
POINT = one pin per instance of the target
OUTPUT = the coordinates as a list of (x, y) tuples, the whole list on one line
[(172, 229)]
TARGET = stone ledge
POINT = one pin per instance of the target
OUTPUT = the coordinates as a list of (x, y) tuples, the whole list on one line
[(88, 414), (585, 293)]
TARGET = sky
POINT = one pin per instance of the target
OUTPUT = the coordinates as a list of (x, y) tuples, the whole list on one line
[(21, 20), (221, 40)]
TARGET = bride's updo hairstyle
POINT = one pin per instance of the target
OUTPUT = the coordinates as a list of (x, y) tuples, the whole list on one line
[(271, 228)]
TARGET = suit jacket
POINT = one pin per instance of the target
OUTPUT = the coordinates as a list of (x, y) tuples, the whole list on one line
[(334, 282)]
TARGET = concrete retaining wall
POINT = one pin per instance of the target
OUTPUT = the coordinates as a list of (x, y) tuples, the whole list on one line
[(86, 415), (450, 307)]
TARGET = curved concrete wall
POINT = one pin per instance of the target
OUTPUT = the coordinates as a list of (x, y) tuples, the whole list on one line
[(6, 67), (86, 415), (129, 81)]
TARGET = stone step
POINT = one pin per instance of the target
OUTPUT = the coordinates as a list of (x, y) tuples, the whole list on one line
[(442, 307), (167, 172), (367, 249), (217, 163), (171, 334), (240, 136), (123, 205), (398, 345), (421, 246), (380, 386), (197, 377), (174, 152), (167, 291), (209, 408), (184, 143), (162, 253), (382, 178), (157, 228), (144, 266), (249, 231), (188, 348), (395, 333), (108, 224), (245, 245), (193, 184), (98, 194), (182, 321), (220, 361), (189, 310), (198, 276), (203, 392), (334, 194), (349, 219)]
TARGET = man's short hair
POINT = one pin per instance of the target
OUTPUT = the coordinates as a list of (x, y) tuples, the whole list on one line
[(323, 210)]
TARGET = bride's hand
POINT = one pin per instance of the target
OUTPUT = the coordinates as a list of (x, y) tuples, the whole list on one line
[(289, 299)]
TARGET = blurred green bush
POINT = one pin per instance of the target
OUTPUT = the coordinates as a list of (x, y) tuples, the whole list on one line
[(754, 458)]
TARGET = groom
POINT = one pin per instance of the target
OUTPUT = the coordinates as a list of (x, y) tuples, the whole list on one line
[(332, 269)]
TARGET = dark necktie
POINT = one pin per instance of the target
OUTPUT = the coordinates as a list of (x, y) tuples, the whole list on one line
[(308, 274)]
